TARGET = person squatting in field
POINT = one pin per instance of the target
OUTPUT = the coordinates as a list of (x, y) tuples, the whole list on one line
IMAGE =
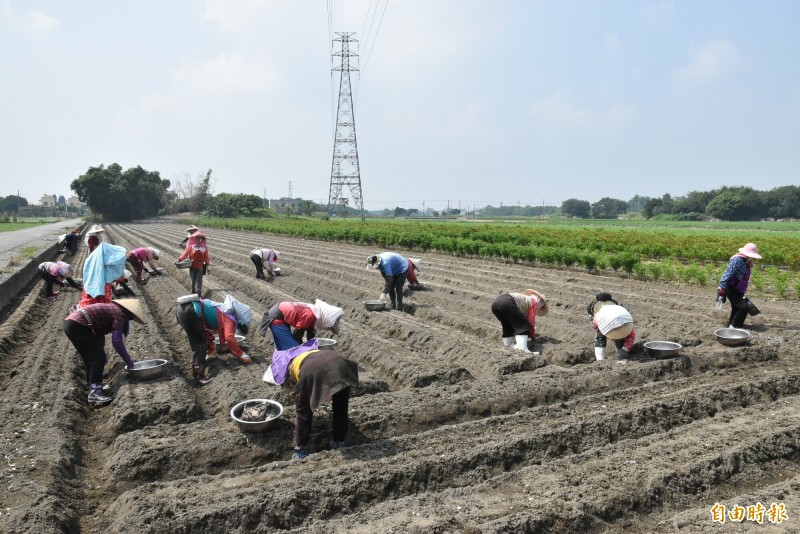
[(289, 322), (611, 321), (261, 255), (517, 314), (414, 265), (394, 269), (55, 273), (201, 319), (314, 376), (87, 327), (734, 282), (137, 258), (197, 251)]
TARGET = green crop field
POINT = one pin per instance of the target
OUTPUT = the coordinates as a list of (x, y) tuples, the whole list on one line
[(690, 252)]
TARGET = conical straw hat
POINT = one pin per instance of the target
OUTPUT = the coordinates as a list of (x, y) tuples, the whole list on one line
[(133, 306)]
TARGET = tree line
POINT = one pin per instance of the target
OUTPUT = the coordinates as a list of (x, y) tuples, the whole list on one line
[(726, 203)]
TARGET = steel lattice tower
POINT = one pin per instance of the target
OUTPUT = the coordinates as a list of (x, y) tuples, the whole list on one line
[(345, 170)]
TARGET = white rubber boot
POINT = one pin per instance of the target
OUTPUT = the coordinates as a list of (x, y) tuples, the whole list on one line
[(600, 353), (508, 341), (522, 343)]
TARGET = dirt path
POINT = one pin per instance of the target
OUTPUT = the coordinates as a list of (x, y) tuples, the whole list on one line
[(449, 430)]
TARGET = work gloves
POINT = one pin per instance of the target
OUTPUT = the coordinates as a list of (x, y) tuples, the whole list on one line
[(384, 297)]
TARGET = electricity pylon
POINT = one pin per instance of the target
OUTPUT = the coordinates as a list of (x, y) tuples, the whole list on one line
[(345, 170)]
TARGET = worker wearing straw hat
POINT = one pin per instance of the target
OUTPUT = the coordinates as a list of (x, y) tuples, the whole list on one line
[(92, 237), (734, 282), (517, 313), (189, 232), (611, 321), (87, 327)]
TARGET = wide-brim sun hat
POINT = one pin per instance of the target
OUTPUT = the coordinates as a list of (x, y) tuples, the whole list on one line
[(542, 310), (621, 332), (751, 251), (132, 306), (155, 251), (192, 228), (600, 303), (416, 262)]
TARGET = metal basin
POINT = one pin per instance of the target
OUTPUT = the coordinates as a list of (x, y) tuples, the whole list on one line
[(184, 264), (374, 305), (147, 369), (732, 337), (662, 349), (274, 412), (239, 341), (277, 271), (323, 343)]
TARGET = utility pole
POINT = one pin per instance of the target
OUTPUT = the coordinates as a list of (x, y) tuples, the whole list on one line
[(345, 170), (290, 189)]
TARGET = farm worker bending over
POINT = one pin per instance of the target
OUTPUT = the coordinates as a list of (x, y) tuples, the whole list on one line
[(55, 273), (92, 239), (413, 267), (611, 321), (394, 269), (734, 283), (314, 376), (87, 327), (189, 232), (290, 321), (517, 314), (201, 318), (261, 255), (138, 256), (71, 241), (120, 285), (197, 251)]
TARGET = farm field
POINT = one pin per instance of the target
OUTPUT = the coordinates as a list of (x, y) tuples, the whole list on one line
[(450, 432)]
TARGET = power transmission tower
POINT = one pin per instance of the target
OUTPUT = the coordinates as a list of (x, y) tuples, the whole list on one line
[(345, 170)]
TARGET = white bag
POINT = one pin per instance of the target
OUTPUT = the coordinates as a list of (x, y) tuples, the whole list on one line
[(242, 311)]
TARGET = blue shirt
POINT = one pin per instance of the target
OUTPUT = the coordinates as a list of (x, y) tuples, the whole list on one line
[(392, 264), (209, 312)]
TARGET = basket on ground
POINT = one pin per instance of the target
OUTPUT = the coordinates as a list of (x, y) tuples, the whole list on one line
[(269, 409), (147, 369)]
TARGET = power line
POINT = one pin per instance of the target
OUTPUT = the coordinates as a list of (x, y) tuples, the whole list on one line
[(380, 23)]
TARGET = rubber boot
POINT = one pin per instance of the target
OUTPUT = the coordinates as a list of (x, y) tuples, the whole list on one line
[(600, 353), (97, 397), (622, 354), (301, 452), (508, 341), (522, 343)]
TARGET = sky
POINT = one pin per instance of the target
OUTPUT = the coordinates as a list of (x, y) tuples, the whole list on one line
[(466, 102)]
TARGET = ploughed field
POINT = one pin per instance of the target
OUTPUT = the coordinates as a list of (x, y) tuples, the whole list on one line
[(450, 432)]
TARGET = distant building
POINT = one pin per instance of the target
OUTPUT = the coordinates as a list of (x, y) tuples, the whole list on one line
[(74, 202), (47, 201)]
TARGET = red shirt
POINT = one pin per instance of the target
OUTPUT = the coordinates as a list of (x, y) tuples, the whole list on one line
[(86, 300), (297, 315), (412, 278)]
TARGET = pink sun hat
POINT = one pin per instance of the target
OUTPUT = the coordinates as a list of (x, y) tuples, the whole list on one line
[(751, 251)]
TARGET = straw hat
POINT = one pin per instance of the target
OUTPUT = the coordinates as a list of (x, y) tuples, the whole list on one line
[(96, 229), (542, 310), (192, 228), (416, 262), (132, 306), (751, 251), (600, 303)]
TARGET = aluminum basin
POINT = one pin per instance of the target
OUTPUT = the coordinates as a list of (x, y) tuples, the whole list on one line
[(183, 264), (239, 341), (147, 369), (662, 349), (324, 343), (374, 305), (732, 337), (274, 412)]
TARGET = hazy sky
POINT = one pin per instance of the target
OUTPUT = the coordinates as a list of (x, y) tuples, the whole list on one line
[(478, 102)]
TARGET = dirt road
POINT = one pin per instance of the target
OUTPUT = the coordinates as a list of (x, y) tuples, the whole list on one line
[(450, 432)]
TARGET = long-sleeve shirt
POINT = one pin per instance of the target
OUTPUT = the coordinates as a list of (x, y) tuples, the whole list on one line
[(298, 315), (528, 306), (267, 255), (197, 251), (87, 300), (736, 275), (392, 264), (214, 319), (106, 319), (144, 254), (411, 277)]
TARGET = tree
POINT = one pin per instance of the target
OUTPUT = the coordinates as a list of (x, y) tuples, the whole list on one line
[(576, 208), (694, 202), (725, 205), (609, 208), (203, 195), (233, 205), (121, 196), (61, 201), (637, 203), (343, 202), (400, 212), (10, 203)]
